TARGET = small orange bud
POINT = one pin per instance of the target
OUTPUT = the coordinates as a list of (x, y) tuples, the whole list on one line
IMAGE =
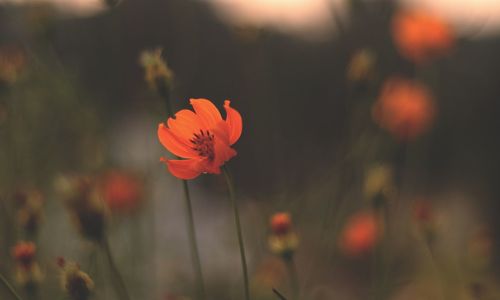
[(24, 254), (281, 223)]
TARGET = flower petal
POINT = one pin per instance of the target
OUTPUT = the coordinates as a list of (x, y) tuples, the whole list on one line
[(173, 143), (184, 169), (207, 113), (184, 124), (223, 153), (234, 122)]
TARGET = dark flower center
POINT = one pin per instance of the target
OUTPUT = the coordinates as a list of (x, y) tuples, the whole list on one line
[(204, 144)]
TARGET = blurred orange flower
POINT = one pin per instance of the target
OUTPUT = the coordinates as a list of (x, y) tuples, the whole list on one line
[(360, 234), (420, 35), (405, 108), (202, 137), (24, 254), (122, 191)]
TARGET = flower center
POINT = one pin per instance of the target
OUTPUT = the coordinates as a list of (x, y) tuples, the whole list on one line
[(204, 144)]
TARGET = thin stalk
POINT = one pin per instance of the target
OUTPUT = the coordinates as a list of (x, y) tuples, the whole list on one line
[(166, 93), (192, 238), (275, 291), (230, 187), (120, 286), (294, 279), (10, 288)]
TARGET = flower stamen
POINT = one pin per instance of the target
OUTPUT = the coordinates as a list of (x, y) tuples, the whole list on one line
[(204, 144)]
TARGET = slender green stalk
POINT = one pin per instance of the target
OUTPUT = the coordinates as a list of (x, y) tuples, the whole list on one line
[(275, 291), (294, 279), (165, 92), (230, 187), (10, 288), (120, 286), (192, 238)]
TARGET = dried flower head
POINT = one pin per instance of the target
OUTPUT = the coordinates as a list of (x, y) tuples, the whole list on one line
[(87, 211), (379, 186), (360, 234), (405, 108), (157, 73), (77, 284), (284, 245), (420, 35), (29, 209), (361, 65)]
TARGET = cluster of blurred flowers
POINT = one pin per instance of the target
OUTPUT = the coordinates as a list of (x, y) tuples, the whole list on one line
[(89, 201)]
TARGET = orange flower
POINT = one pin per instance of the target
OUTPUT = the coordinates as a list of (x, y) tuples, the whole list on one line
[(281, 223), (122, 191), (24, 254), (404, 108), (202, 137), (360, 234), (419, 35)]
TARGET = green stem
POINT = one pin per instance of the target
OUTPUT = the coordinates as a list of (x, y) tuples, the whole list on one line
[(230, 187), (10, 288), (120, 286), (275, 291), (166, 93), (294, 279), (192, 238)]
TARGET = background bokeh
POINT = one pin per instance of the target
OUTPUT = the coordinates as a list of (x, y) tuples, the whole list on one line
[(80, 105)]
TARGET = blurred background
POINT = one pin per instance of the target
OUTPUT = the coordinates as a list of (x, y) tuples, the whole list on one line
[(351, 108)]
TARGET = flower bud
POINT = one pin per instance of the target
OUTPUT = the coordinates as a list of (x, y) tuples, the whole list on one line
[(157, 73), (87, 211), (29, 205), (24, 254), (361, 66), (27, 271), (281, 223), (283, 240)]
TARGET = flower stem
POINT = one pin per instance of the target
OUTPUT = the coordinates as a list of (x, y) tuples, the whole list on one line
[(166, 93), (192, 238), (294, 279), (120, 286), (275, 291), (230, 187), (9, 287)]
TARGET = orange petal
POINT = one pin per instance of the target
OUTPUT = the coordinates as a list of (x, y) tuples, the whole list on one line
[(173, 143), (221, 132), (207, 113), (185, 124), (223, 153), (234, 122), (184, 169)]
